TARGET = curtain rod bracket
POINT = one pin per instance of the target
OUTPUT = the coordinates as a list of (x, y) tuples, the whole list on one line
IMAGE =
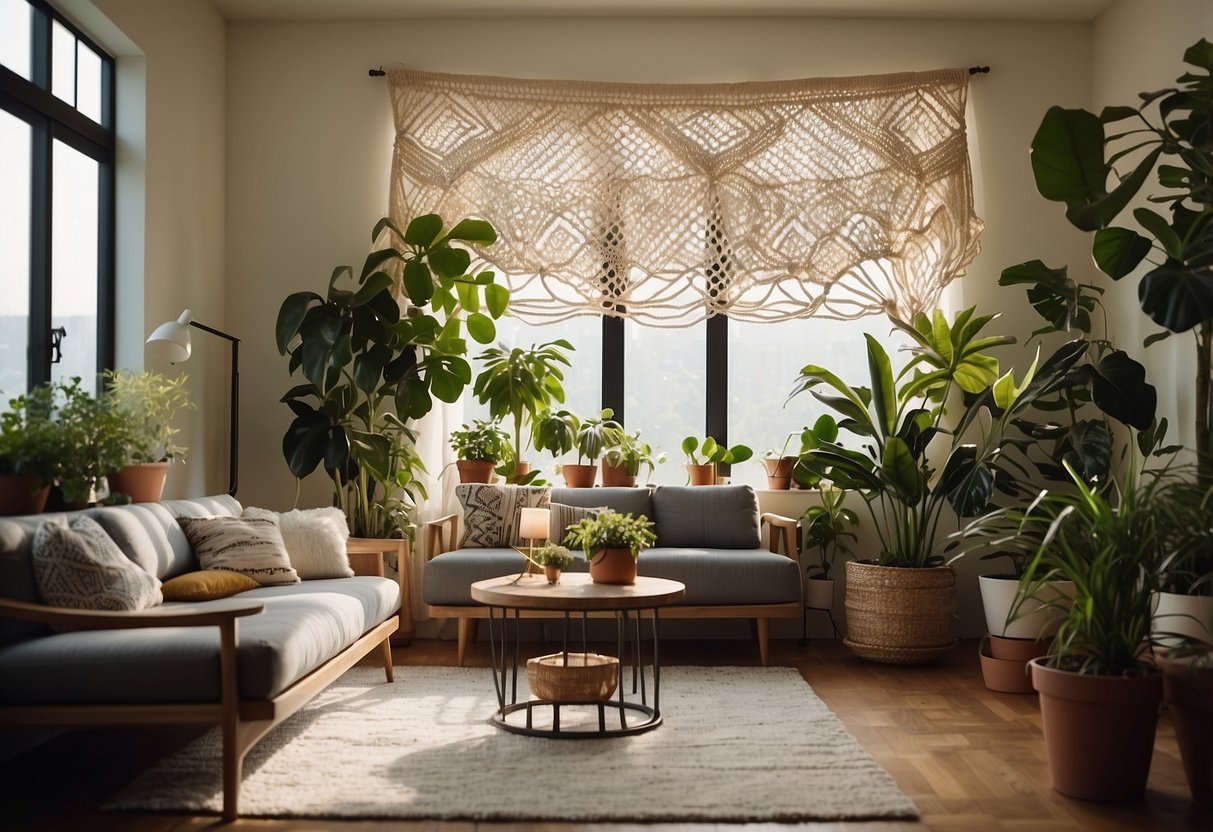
[(377, 73), (978, 70)]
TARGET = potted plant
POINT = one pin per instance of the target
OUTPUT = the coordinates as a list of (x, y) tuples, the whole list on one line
[(29, 447), (369, 369), (479, 448), (1188, 690), (91, 443), (912, 460), (553, 559), (521, 383), (703, 458), (825, 528), (147, 404), (593, 435), (612, 543), (1072, 162), (624, 456), (1099, 693), (1183, 605)]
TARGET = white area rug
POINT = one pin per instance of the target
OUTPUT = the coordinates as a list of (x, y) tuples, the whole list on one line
[(737, 744)]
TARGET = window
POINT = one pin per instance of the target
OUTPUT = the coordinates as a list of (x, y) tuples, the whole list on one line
[(56, 207)]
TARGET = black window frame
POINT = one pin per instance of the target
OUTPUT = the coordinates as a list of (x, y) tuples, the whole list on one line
[(52, 119)]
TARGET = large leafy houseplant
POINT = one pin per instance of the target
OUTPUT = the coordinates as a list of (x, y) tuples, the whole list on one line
[(29, 448), (369, 368), (521, 383), (1074, 161)]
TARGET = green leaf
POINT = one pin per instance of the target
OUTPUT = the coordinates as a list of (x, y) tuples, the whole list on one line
[(1119, 389), (1162, 231), (372, 451), (1067, 157), (884, 394), (304, 442), (469, 296), (1101, 212), (474, 231), (1110, 114), (375, 260), (496, 298), (1200, 54), (1118, 251), (481, 328), (290, 316), (418, 282), (376, 283), (1156, 337), (450, 262), (423, 230), (900, 470), (1176, 297)]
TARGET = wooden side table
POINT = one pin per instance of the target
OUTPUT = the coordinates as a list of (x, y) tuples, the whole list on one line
[(368, 557)]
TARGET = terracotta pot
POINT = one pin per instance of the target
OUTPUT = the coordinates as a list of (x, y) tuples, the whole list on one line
[(19, 496), (1189, 693), (899, 615), (1099, 731), (616, 475), (1021, 650), (779, 472), (143, 483), (552, 573), (613, 566), (579, 476), (521, 469), (1004, 675), (1033, 619), (819, 593), (1177, 616), (475, 470), (702, 474)]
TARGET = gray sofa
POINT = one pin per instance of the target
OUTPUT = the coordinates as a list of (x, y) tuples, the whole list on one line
[(243, 663), (708, 537)]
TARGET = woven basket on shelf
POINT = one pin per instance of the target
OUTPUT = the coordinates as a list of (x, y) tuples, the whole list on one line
[(587, 677), (899, 615)]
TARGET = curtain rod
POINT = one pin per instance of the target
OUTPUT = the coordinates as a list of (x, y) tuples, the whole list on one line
[(973, 70)]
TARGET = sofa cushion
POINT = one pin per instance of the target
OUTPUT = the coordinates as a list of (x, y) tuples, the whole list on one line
[(449, 576), (303, 625), (251, 545), (725, 576), (491, 513), (148, 533), (634, 501), (207, 585), (78, 566), (315, 540), (712, 516)]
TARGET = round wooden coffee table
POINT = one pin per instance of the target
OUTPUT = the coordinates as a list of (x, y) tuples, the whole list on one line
[(576, 597)]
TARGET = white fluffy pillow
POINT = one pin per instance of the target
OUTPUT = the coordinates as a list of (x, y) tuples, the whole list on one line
[(315, 540)]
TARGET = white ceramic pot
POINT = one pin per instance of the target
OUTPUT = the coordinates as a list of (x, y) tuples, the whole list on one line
[(819, 594), (1176, 616), (1034, 619)]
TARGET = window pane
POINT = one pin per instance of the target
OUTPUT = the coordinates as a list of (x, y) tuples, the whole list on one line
[(14, 253), (74, 227), (63, 63), (663, 394), (88, 82), (582, 381), (757, 415), (16, 18)]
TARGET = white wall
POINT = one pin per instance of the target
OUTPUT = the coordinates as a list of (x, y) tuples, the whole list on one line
[(309, 143), (171, 67), (1138, 46)]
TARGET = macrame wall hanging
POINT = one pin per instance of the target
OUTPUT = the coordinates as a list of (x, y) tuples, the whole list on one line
[(834, 197)]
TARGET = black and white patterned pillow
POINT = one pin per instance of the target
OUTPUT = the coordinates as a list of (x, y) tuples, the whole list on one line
[(492, 513), (250, 545), (80, 567)]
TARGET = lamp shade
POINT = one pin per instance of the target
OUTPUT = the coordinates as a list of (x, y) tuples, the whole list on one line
[(172, 339), (534, 523)]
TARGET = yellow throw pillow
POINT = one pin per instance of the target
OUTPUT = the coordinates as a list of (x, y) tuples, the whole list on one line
[(206, 585)]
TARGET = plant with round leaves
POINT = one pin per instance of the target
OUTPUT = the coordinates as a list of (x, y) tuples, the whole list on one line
[(521, 383), (710, 452), (628, 451), (1074, 161), (369, 369)]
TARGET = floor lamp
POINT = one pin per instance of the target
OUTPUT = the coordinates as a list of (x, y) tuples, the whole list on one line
[(172, 339)]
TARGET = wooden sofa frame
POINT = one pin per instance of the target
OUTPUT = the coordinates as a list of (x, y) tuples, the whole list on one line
[(441, 533), (243, 722)]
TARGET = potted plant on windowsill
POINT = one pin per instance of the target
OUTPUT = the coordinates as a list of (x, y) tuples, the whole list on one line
[(703, 458), (91, 439), (29, 447), (825, 528), (521, 383), (612, 543), (479, 448), (624, 457), (147, 403), (369, 369)]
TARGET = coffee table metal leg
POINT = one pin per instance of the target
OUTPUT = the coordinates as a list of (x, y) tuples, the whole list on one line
[(656, 668), (498, 680), (644, 699), (517, 641), (621, 621)]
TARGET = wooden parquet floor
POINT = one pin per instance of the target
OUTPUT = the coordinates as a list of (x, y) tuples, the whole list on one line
[(969, 758)]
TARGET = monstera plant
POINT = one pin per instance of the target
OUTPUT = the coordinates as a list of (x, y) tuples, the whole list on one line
[(369, 367), (1074, 162)]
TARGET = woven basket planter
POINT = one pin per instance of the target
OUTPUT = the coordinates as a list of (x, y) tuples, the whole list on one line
[(899, 615), (587, 677)]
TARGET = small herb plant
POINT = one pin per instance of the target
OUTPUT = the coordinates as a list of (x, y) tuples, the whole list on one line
[(826, 528), (552, 555), (147, 403), (483, 440), (611, 530)]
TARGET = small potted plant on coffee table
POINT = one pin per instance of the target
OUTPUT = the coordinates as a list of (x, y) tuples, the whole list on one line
[(612, 543), (479, 448), (553, 559)]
